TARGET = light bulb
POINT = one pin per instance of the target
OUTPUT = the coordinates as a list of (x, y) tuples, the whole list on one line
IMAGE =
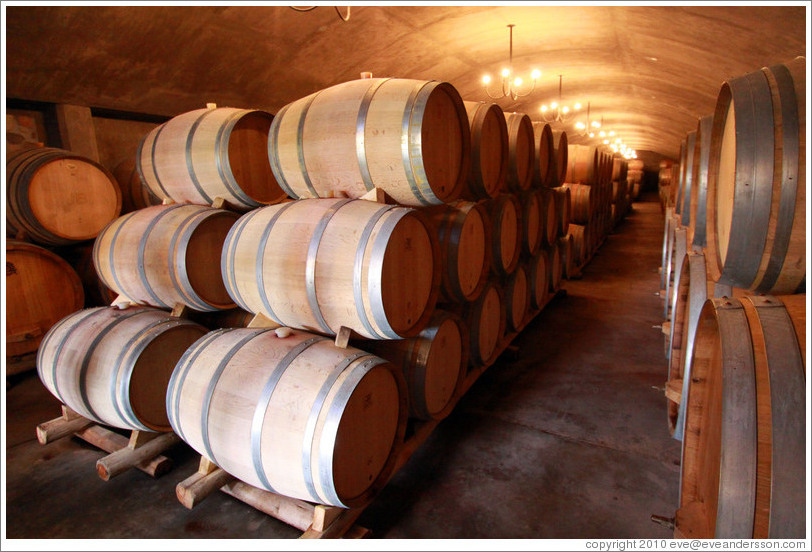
[(606, 142), (617, 140), (536, 74), (554, 105), (591, 134), (611, 133), (580, 126), (565, 110), (614, 148), (601, 134), (596, 124), (543, 108), (577, 105), (506, 72), (486, 79), (518, 82)]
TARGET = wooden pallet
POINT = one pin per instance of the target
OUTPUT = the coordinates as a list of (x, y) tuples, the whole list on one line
[(317, 521), (142, 450)]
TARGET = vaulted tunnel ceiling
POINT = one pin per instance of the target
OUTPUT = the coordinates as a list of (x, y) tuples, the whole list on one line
[(649, 72)]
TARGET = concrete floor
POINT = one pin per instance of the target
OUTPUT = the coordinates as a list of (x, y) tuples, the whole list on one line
[(567, 438)]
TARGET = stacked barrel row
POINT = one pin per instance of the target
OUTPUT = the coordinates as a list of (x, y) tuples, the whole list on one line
[(474, 222), (56, 202), (733, 280)]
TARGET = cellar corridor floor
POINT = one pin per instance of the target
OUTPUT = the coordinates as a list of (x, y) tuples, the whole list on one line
[(566, 437)]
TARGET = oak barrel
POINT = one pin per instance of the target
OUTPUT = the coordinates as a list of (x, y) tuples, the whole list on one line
[(583, 164), (485, 320), (565, 251), (545, 167), (204, 154), (166, 254), (464, 235), (489, 150), (688, 178), (434, 364), (697, 233), (113, 366), (562, 208), (552, 215), (538, 279), (561, 156), (505, 215), (580, 243), (521, 152), (135, 194), (517, 298), (57, 197), (533, 220), (41, 289), (744, 448), (554, 267), (409, 138), (295, 415), (583, 202), (319, 264), (756, 203)]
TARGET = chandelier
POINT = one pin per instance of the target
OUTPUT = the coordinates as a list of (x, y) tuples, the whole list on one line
[(595, 129), (557, 112), (511, 83)]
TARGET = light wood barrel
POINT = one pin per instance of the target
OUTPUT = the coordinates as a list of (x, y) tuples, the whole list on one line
[(680, 178), (464, 236), (679, 249), (113, 366), (562, 208), (697, 233), (319, 264), (545, 168), (744, 446), (538, 279), (688, 179), (489, 150), (552, 221), (57, 197), (561, 156), (409, 138), (556, 270), (517, 298), (296, 416), (583, 164), (756, 203), (580, 245), (669, 216), (134, 193), (533, 221), (485, 320), (565, 251), (41, 289), (166, 254), (434, 364), (505, 214), (693, 289), (521, 152), (620, 168), (583, 202), (204, 154)]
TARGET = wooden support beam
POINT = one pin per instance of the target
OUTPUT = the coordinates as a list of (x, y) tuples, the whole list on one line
[(50, 431), (110, 441), (261, 321), (125, 458), (201, 484), (294, 512), (77, 131)]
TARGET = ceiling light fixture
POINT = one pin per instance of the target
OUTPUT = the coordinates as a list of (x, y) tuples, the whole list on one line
[(511, 83), (557, 112)]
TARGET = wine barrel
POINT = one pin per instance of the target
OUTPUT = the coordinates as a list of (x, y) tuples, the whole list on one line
[(580, 243), (521, 152), (409, 138), (517, 298), (552, 221), (583, 202), (620, 168), (554, 266), (562, 208), (680, 183), (319, 264), (583, 164), (204, 154), (134, 193), (561, 156), (744, 446), (489, 150), (41, 289), (533, 220), (565, 251), (296, 415), (756, 203), (669, 216), (679, 249), (538, 279), (57, 197), (688, 178), (166, 254), (693, 289), (485, 320), (545, 169), (464, 235), (505, 215), (113, 366), (697, 234), (434, 364)]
